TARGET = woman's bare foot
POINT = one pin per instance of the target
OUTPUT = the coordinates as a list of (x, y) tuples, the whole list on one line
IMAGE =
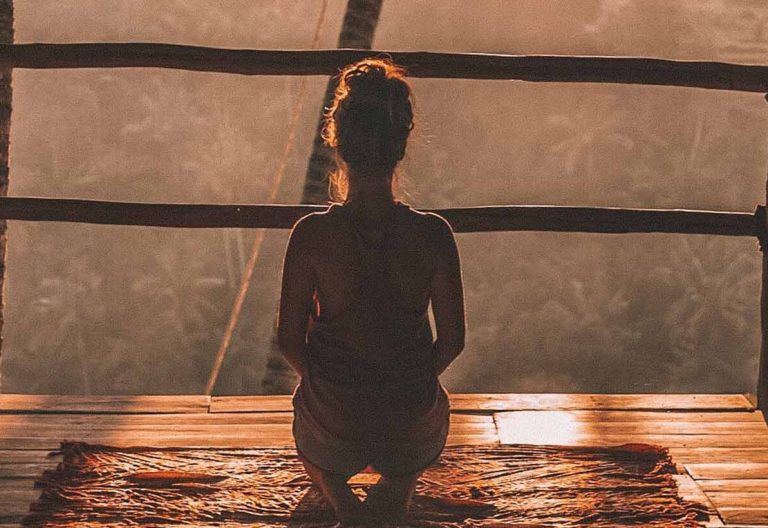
[(388, 500), (346, 505)]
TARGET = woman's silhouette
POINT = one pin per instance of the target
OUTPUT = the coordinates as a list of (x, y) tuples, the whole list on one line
[(357, 282)]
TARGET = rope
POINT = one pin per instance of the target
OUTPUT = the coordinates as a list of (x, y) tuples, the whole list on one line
[(245, 281)]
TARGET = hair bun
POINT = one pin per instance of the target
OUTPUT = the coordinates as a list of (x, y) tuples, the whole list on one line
[(367, 81), (371, 115), (372, 92)]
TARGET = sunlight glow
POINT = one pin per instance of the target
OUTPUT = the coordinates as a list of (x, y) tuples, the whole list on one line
[(541, 428)]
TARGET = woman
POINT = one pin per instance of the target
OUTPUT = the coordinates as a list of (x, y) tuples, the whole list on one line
[(357, 282)]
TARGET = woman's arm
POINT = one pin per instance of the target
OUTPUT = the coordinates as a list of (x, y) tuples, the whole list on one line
[(447, 298), (296, 298)]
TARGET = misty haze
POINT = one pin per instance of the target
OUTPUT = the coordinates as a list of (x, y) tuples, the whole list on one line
[(105, 309)]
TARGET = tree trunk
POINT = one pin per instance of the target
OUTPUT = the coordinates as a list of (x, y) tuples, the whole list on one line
[(357, 30), (6, 37)]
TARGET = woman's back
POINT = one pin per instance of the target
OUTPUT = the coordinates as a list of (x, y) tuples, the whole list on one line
[(350, 248), (372, 290)]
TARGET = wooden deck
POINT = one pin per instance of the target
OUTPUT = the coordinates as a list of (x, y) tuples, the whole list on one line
[(720, 442)]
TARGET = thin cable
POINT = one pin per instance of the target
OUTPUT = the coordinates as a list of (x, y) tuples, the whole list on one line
[(245, 282)]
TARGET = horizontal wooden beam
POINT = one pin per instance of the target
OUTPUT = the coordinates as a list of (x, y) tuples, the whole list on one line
[(624, 70), (463, 219)]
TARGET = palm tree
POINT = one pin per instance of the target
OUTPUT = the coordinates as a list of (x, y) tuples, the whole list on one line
[(6, 37), (357, 29), (360, 20)]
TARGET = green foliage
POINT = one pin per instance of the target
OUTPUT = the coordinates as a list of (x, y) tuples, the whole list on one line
[(93, 309)]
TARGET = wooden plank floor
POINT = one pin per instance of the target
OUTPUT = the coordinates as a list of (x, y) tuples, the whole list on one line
[(720, 442)]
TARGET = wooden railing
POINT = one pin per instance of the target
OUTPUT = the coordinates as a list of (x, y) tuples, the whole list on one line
[(462, 219), (539, 68), (710, 75)]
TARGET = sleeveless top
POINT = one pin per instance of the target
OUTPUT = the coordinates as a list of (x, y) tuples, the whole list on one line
[(371, 394), (376, 338)]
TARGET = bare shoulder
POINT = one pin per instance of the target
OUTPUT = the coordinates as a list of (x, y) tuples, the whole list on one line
[(432, 225), (309, 228)]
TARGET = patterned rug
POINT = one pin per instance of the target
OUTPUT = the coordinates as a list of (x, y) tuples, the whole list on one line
[(471, 486)]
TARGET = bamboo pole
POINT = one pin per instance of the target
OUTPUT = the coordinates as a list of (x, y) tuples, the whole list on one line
[(462, 219), (258, 240), (540, 68), (6, 37)]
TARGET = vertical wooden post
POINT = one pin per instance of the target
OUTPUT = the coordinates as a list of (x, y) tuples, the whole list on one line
[(6, 37), (762, 378)]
